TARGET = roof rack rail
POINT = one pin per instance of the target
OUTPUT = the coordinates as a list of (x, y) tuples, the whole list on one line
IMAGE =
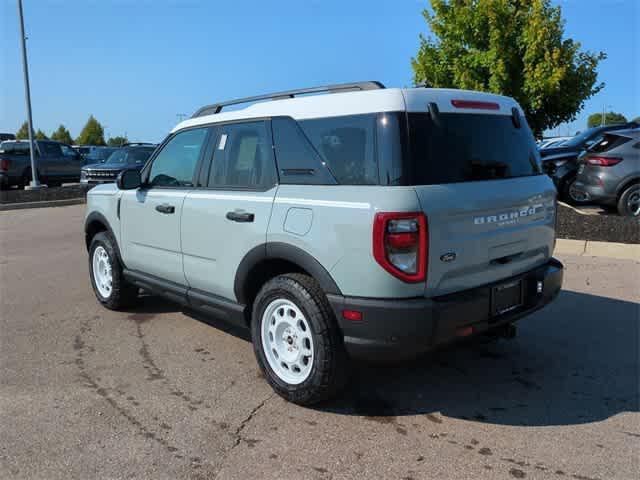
[(136, 144), (339, 87)]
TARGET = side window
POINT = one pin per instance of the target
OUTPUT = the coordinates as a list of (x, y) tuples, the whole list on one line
[(298, 163), (347, 145), (68, 151), (242, 157), (175, 164), (51, 149)]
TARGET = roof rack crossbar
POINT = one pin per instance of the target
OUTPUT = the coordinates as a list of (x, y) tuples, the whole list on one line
[(340, 87)]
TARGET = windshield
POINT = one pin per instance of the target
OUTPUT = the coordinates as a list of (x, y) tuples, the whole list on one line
[(100, 154), (133, 156), (469, 147)]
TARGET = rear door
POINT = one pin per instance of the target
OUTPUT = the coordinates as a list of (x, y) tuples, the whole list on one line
[(490, 210), (229, 215), (150, 215)]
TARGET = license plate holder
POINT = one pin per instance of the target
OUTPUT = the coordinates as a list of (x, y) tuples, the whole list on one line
[(506, 297)]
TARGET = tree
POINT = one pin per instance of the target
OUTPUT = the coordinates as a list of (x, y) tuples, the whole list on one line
[(636, 120), (23, 133), (595, 119), (62, 135), (117, 141), (510, 47), (40, 135), (92, 133)]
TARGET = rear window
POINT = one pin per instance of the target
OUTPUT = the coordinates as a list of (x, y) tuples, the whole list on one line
[(609, 142), (468, 147), (15, 148)]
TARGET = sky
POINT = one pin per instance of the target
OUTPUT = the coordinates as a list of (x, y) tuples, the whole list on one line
[(137, 65)]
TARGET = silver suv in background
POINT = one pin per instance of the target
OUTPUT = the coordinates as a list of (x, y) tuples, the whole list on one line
[(367, 223), (609, 174)]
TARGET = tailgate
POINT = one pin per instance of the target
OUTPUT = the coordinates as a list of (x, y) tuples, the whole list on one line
[(482, 232)]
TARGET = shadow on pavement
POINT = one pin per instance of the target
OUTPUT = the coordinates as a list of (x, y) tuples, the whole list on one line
[(574, 362)]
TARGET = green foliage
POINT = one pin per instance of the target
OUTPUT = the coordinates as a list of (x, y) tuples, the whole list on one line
[(117, 141), (62, 135), (595, 119), (40, 135), (92, 133), (636, 120), (23, 133), (509, 47)]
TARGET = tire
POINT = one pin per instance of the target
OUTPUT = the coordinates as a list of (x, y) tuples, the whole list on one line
[(629, 202), (109, 285), (571, 195), (53, 183), (295, 308)]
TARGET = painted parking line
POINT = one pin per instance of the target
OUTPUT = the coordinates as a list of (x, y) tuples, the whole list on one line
[(586, 210)]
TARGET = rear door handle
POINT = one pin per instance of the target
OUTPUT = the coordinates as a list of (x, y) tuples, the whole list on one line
[(243, 217), (165, 208)]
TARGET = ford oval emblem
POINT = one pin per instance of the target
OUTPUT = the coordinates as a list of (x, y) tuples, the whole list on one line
[(448, 257)]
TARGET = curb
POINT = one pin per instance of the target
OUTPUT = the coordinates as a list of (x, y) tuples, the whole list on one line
[(42, 204), (623, 251)]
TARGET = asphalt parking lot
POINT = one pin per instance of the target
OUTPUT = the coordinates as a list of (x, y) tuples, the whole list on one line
[(165, 394)]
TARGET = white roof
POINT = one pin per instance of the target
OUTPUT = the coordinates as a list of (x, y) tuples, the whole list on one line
[(360, 102)]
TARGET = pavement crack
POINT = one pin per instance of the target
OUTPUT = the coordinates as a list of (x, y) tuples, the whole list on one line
[(247, 419)]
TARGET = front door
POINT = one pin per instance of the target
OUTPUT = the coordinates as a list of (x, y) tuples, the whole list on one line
[(229, 215), (150, 215)]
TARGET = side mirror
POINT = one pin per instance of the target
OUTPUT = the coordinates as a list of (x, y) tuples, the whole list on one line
[(129, 179)]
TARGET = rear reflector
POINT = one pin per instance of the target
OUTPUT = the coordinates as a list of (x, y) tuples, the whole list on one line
[(352, 315), (464, 331), (4, 164), (604, 161), (475, 104)]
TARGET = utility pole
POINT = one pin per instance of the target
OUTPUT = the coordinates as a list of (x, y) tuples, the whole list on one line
[(35, 184)]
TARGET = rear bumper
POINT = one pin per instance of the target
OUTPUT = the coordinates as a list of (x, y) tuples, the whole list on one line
[(596, 193), (392, 329)]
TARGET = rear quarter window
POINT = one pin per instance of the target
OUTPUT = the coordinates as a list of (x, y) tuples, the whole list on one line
[(347, 145)]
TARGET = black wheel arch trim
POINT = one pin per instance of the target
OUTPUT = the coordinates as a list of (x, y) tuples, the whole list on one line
[(98, 217), (626, 183), (281, 251)]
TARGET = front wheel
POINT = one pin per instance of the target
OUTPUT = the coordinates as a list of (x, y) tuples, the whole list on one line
[(629, 202), (296, 340), (105, 270)]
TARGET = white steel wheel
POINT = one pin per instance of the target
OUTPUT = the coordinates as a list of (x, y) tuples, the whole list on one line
[(287, 341), (102, 271)]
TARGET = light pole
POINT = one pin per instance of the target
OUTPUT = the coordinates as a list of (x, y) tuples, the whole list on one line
[(604, 107), (35, 184)]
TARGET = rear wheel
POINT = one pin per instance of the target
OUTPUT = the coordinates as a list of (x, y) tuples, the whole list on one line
[(571, 194), (629, 202), (297, 341), (109, 285)]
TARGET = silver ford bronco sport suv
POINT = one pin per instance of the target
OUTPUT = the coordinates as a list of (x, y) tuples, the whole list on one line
[(358, 222)]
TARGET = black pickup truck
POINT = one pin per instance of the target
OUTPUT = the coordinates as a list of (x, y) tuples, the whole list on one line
[(56, 163)]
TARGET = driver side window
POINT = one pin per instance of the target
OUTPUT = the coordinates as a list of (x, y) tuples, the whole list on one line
[(174, 166)]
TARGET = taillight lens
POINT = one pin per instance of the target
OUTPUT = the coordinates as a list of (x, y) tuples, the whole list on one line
[(400, 244), (4, 164), (604, 161)]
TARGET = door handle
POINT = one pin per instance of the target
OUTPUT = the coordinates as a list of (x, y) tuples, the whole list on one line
[(165, 208), (242, 217)]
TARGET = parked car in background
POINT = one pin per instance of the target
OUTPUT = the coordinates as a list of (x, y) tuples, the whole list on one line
[(609, 174), (7, 136), (129, 156), (552, 142), (561, 162), (56, 163)]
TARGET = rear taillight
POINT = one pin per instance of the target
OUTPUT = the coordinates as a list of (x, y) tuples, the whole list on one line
[(4, 164), (400, 244), (603, 161)]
